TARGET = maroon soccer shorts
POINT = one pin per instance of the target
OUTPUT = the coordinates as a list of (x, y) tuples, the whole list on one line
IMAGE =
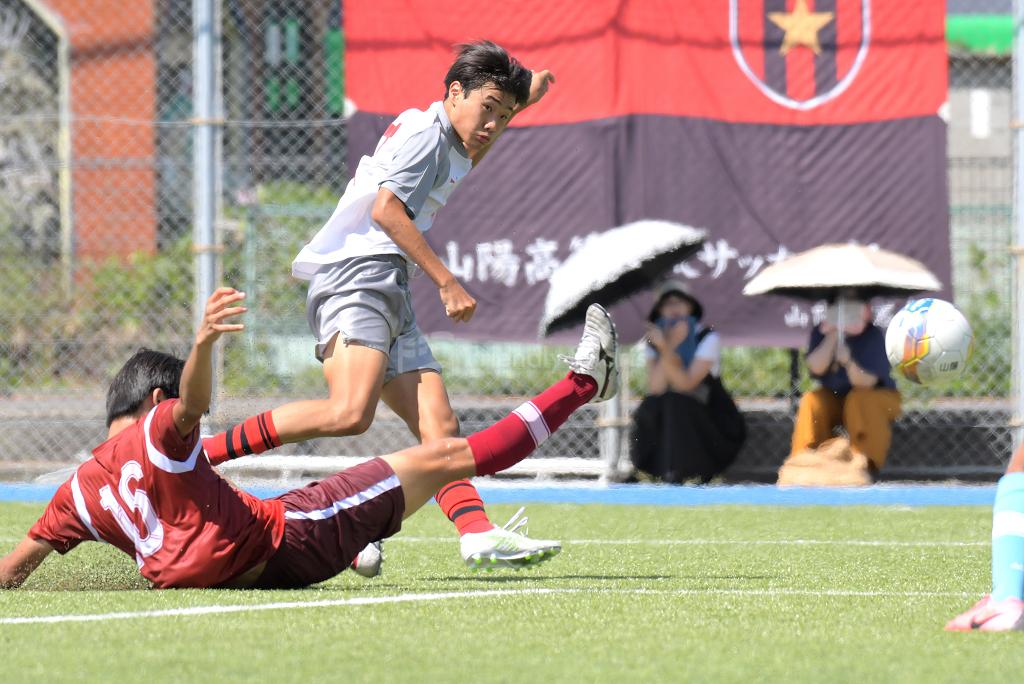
[(328, 523)]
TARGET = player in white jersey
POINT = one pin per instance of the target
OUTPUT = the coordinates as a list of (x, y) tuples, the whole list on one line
[(359, 306)]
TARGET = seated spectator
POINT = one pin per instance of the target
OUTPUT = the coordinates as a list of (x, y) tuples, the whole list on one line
[(856, 390), (687, 425)]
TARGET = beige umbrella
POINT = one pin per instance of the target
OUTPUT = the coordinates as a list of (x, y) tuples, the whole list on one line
[(821, 272), (838, 271)]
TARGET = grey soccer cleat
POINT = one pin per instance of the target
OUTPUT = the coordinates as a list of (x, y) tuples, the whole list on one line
[(369, 560), (597, 353)]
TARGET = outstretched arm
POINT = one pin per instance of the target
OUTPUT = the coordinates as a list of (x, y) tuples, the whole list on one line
[(539, 85), (16, 566), (197, 376), (389, 212)]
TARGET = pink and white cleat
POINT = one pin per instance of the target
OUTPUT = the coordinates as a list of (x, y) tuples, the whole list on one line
[(990, 616), (963, 622)]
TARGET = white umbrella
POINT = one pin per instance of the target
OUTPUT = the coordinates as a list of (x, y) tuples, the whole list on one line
[(614, 265)]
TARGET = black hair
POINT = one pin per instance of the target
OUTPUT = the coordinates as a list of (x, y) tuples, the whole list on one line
[(696, 309), (146, 371), (483, 62)]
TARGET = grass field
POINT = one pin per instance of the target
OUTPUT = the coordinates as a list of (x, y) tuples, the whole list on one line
[(738, 594)]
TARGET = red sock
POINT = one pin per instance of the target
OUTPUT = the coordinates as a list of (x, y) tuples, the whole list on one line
[(515, 436), (461, 503), (254, 436)]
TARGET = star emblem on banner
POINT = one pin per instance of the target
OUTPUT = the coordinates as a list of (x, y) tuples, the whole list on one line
[(801, 27)]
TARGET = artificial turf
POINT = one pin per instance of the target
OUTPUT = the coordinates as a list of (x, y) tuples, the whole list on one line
[(703, 594)]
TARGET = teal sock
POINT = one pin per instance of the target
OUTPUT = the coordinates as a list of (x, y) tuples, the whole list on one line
[(1008, 538)]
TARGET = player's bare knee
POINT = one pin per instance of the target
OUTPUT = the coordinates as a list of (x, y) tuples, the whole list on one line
[(348, 420), (445, 456), (435, 455), (451, 425), (440, 428)]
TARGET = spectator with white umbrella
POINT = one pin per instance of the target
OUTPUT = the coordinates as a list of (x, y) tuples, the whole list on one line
[(687, 426)]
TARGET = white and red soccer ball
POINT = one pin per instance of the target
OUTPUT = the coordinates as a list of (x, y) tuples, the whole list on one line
[(929, 341)]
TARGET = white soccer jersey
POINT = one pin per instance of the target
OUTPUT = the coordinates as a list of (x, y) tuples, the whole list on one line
[(420, 159)]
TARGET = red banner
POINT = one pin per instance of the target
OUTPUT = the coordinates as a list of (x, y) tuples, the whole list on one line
[(776, 125), (752, 61)]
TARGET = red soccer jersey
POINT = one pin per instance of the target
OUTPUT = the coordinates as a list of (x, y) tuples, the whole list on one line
[(154, 495)]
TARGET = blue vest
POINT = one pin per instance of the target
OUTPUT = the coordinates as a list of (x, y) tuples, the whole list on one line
[(686, 349)]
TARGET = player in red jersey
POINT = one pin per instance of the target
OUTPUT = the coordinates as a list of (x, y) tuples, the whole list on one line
[(150, 490)]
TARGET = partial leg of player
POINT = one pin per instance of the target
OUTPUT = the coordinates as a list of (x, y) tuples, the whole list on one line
[(423, 469), (1003, 609)]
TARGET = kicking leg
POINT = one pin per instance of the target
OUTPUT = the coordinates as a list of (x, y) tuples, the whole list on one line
[(355, 376), (424, 469), (594, 377), (430, 466), (421, 400)]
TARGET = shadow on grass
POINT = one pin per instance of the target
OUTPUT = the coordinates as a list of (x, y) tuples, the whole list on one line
[(546, 578), (729, 577)]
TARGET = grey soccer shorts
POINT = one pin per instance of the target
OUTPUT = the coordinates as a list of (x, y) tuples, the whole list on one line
[(366, 301)]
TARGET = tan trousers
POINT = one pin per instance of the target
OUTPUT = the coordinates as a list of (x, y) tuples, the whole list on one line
[(867, 415)]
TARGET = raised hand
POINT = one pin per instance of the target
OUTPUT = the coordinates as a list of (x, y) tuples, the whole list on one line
[(539, 85), (218, 310), (656, 338), (675, 335)]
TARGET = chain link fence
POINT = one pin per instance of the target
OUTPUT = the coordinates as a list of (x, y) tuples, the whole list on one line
[(97, 258)]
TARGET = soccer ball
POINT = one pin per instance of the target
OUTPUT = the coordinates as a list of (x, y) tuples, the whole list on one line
[(929, 341)]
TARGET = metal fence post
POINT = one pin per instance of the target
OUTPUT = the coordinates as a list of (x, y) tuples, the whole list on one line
[(1018, 222), (610, 423), (206, 42)]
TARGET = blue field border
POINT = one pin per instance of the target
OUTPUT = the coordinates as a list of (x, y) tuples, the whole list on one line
[(662, 495)]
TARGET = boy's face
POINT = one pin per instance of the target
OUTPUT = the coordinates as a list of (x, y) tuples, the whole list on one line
[(480, 115)]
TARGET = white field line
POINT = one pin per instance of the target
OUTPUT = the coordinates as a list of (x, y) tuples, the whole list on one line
[(282, 605), (417, 598), (724, 542)]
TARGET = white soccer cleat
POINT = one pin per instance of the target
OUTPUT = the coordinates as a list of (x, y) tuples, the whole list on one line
[(597, 353), (369, 560), (506, 547)]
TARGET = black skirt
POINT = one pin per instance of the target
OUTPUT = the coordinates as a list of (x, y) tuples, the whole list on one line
[(675, 437)]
